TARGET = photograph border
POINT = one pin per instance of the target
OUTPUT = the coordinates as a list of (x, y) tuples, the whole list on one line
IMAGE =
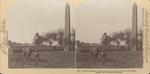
[(6, 4)]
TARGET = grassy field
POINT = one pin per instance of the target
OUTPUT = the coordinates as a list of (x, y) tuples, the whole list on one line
[(61, 59), (48, 59), (114, 59)]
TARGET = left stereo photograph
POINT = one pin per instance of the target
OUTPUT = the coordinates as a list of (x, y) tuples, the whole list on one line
[(41, 35)]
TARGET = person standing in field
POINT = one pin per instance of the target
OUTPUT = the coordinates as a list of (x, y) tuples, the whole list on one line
[(27, 52), (104, 41), (36, 55)]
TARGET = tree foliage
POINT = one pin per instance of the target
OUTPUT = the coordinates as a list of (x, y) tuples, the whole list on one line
[(51, 37), (118, 37), (38, 40)]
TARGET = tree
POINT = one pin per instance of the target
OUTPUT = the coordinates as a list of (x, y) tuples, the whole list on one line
[(127, 33), (55, 36), (37, 40), (118, 37), (106, 39), (60, 36), (50, 37)]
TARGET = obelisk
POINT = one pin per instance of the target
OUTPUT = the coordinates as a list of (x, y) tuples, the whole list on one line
[(134, 28), (67, 27)]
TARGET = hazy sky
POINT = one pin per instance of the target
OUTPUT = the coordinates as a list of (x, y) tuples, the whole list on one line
[(91, 19), (27, 17)]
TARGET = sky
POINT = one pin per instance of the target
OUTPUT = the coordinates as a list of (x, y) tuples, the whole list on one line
[(90, 20), (26, 17)]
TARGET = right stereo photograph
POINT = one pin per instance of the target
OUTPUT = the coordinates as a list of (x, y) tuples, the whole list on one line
[(109, 34)]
